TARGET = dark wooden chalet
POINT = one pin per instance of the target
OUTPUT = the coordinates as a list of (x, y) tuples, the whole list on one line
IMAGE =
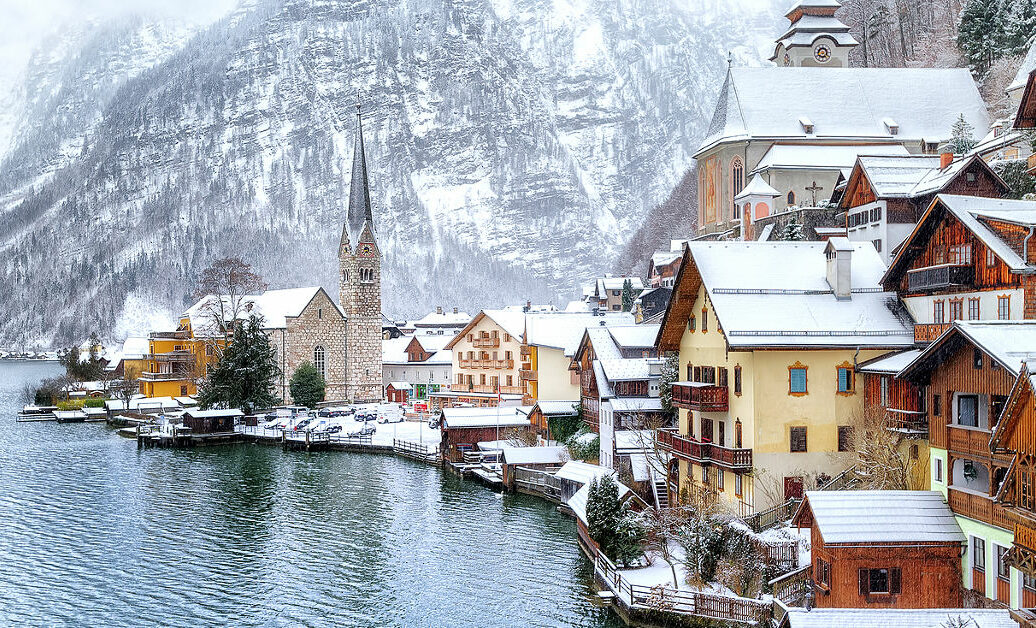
[(464, 428), (398, 392), (882, 549), (1026, 116), (900, 400), (211, 421), (1015, 435), (968, 258)]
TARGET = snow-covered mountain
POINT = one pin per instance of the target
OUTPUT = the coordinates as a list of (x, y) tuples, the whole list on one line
[(514, 147)]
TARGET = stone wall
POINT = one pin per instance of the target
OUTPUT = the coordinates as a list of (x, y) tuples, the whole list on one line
[(320, 324), (361, 300), (808, 217)]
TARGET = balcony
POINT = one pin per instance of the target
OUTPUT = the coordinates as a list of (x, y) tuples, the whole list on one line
[(701, 397), (163, 377), (968, 441), (704, 453), (980, 507), (171, 335), (927, 333), (941, 276), (528, 375), (909, 422), (486, 388), (486, 343), (526, 351), (171, 356)]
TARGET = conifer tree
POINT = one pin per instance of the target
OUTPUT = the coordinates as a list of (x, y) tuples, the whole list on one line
[(603, 513), (627, 296), (963, 137), (245, 376), (792, 231), (307, 386), (670, 374)]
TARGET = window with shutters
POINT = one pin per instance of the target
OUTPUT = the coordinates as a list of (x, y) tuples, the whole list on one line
[(692, 323), (797, 438), (978, 553), (845, 437), (704, 320), (823, 573), (737, 380), (846, 379), (797, 384), (881, 581), (956, 309), (723, 377)]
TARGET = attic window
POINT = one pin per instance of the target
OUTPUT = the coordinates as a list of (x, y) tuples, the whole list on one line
[(807, 125), (891, 126)]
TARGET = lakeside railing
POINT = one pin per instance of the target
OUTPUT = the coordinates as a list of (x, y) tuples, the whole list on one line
[(791, 588), (667, 599), (539, 482)]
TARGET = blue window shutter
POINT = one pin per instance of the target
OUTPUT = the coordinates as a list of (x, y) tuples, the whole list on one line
[(798, 380)]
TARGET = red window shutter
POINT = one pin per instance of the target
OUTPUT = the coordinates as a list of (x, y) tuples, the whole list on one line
[(895, 581), (864, 582)]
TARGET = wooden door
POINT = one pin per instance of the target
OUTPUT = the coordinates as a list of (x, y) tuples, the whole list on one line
[(722, 440), (793, 487), (706, 430)]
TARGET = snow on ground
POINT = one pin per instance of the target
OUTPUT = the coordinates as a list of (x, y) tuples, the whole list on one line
[(658, 572)]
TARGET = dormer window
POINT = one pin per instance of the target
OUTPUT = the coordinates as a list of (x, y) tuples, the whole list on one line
[(891, 126), (807, 125)]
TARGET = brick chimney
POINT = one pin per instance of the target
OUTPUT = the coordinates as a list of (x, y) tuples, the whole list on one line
[(839, 253), (945, 159), (438, 310)]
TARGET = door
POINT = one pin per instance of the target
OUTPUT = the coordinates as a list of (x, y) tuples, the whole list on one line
[(967, 410), (706, 430), (793, 487)]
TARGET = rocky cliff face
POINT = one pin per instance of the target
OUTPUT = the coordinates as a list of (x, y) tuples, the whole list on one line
[(514, 146)]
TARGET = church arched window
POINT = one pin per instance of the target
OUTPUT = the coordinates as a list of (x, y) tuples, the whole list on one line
[(791, 198), (737, 176), (318, 360), (345, 276)]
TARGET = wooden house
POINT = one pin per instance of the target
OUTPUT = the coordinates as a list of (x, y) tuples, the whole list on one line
[(967, 375), (536, 458), (886, 549), (545, 411), (574, 474), (398, 392), (1026, 116), (211, 421), (968, 258), (897, 617), (1015, 435), (885, 195), (463, 428)]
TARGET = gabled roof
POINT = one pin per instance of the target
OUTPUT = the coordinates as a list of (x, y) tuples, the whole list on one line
[(822, 157), (483, 417), (275, 306), (1021, 77), (582, 472), (1010, 343), (912, 176), (627, 369), (564, 330), (636, 404), (512, 322), (973, 212), (767, 103), (757, 187), (535, 455), (557, 408), (786, 301), (640, 336), (890, 363), (1007, 422), (879, 517), (443, 319)]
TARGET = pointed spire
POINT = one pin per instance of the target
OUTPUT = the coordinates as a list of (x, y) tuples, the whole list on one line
[(359, 210)]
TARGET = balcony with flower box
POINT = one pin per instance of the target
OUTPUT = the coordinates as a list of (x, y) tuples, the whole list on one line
[(927, 333), (700, 397)]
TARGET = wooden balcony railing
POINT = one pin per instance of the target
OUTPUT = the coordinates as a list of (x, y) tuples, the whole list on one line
[(928, 332), (171, 356), (1025, 537), (163, 377), (736, 459), (941, 276), (465, 363), (528, 375), (486, 388), (167, 335), (526, 351), (701, 397), (970, 441), (486, 343), (907, 421), (981, 508)]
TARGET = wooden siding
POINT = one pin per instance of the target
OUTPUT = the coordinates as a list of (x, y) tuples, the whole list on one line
[(930, 575)]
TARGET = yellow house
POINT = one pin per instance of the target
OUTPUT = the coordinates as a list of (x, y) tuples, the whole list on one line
[(768, 335), (551, 340), (175, 361)]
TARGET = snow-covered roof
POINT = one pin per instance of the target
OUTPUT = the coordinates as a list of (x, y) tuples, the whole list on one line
[(1027, 66), (564, 330), (577, 306), (616, 283), (209, 414), (883, 517), (664, 258), (275, 306), (889, 364), (582, 472), (855, 102), (757, 187), (1010, 343), (634, 440), (135, 348), (398, 385), (578, 501), (393, 350), (442, 319), (636, 404), (484, 417), (786, 300), (804, 4), (626, 369), (557, 408), (511, 321), (138, 403), (968, 209), (900, 617), (604, 389), (535, 455), (603, 343), (634, 336), (909, 176), (823, 157)]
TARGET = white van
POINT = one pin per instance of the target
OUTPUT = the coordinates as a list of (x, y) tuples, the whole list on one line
[(390, 413)]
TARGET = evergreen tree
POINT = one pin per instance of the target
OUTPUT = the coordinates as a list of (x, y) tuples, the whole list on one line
[(670, 374), (307, 386), (627, 296), (792, 231), (963, 137), (603, 514), (980, 32), (245, 376)]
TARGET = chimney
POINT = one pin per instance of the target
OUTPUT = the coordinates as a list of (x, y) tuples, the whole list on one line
[(945, 159), (528, 306), (438, 310), (839, 253), (455, 310)]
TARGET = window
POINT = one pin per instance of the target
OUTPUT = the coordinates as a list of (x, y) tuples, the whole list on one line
[(938, 470), (978, 553), (318, 360), (845, 379), (737, 484), (691, 323), (880, 581), (1003, 570), (823, 573), (737, 380), (708, 374), (723, 377), (936, 405), (737, 178), (937, 312), (183, 391), (690, 372), (956, 309), (885, 396), (960, 254), (845, 438), (990, 258), (719, 479), (1026, 498), (1003, 307), (510, 380), (482, 379), (798, 439), (697, 374), (705, 475), (320, 313), (967, 410), (877, 245), (976, 359), (704, 320), (797, 379), (973, 310), (1028, 582)]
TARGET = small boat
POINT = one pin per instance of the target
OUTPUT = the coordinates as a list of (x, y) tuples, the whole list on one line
[(95, 415), (70, 416), (37, 413)]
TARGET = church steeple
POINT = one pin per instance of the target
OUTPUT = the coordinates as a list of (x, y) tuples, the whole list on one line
[(816, 38), (359, 211)]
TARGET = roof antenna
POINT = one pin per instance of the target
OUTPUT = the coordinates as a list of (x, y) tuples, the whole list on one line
[(730, 59)]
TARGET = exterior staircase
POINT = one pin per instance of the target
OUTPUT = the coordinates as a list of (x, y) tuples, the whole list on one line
[(660, 491)]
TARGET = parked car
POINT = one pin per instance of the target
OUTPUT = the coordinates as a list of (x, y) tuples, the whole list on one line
[(334, 429), (390, 413), (368, 429)]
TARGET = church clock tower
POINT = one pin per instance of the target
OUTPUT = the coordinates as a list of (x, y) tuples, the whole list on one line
[(816, 38), (359, 261)]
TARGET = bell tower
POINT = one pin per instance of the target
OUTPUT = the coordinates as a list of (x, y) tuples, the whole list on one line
[(816, 38), (359, 281)]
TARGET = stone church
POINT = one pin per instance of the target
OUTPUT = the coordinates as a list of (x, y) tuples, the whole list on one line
[(802, 123)]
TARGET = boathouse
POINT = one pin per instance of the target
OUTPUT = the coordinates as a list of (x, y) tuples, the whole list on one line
[(573, 475), (883, 549), (211, 421), (463, 428), (537, 458)]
